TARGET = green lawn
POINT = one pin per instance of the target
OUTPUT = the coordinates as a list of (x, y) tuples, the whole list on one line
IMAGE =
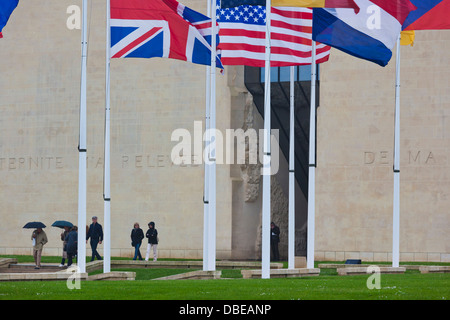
[(328, 286), (411, 286)]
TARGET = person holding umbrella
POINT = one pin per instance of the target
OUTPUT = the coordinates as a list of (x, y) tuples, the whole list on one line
[(66, 225), (39, 239), (72, 244)]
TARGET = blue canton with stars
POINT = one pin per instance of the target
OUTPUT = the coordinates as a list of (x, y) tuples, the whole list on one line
[(244, 14), (236, 3)]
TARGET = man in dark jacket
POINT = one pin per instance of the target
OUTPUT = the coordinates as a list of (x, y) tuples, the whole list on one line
[(274, 239), (96, 234), (152, 235)]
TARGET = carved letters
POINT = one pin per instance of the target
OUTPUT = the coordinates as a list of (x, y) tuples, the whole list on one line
[(416, 157)]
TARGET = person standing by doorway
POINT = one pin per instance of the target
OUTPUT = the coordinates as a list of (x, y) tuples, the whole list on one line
[(274, 240), (96, 234)]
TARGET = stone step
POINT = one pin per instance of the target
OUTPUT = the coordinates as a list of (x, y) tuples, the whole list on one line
[(117, 264), (434, 269), (198, 275), (113, 275), (30, 268), (5, 262), (363, 270), (282, 273), (39, 276)]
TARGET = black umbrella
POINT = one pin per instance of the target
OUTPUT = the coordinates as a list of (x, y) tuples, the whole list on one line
[(34, 225), (62, 224)]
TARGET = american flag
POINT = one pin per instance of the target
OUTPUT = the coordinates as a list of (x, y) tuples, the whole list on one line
[(242, 36)]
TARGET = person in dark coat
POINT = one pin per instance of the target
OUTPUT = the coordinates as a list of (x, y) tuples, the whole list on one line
[(96, 234), (136, 240), (63, 239), (71, 244), (152, 235), (274, 240)]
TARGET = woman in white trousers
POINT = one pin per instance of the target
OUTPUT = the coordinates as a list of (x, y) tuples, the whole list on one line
[(152, 235)]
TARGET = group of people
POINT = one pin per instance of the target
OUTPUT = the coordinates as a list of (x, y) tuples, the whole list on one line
[(70, 241), (95, 233), (137, 235)]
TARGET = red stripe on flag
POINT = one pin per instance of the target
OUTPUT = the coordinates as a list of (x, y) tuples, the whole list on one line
[(292, 13), (241, 33), (291, 39), (285, 25), (260, 63)]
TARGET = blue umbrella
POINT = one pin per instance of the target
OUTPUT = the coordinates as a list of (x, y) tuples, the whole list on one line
[(34, 225), (62, 224)]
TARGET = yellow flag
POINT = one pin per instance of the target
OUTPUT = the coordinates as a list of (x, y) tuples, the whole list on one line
[(407, 38)]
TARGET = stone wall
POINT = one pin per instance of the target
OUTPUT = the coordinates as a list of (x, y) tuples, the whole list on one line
[(355, 137), (150, 98)]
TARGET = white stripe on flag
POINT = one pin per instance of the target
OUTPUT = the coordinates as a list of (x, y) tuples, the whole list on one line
[(244, 43)]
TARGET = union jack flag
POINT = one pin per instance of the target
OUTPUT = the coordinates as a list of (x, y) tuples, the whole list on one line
[(160, 28)]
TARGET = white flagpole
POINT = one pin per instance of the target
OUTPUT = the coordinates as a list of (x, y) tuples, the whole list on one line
[(207, 169), (212, 150), (396, 205), (107, 181), (265, 239), (291, 231), (312, 164), (81, 255)]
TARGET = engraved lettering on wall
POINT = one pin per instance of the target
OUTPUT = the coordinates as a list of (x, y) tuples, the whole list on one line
[(410, 157), (31, 163)]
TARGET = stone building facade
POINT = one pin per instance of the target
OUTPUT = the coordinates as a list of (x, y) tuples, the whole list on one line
[(39, 104)]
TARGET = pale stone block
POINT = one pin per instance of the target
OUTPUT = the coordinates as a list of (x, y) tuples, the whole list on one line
[(406, 256), (363, 270), (330, 256), (340, 256), (366, 256), (4, 276), (352, 255), (434, 269), (420, 256), (434, 257), (319, 255), (380, 256), (300, 262)]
